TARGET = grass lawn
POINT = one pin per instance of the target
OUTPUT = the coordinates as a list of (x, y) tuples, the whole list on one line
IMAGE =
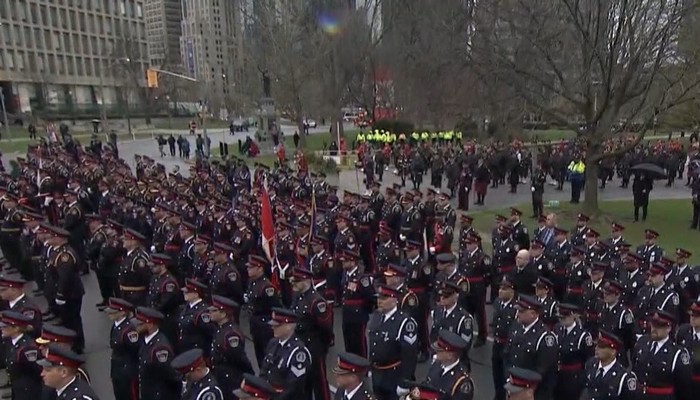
[(671, 218)]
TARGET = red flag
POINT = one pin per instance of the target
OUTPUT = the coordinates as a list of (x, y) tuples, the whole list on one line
[(268, 230)]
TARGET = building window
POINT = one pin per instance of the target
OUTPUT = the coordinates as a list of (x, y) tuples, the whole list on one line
[(10, 57), (122, 7), (19, 61), (139, 11)]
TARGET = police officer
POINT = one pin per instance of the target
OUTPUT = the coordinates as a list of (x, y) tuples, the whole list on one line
[(157, 379), (200, 383), (576, 276), (521, 236), (532, 345), (21, 356), (357, 302), (606, 377), (681, 279), (575, 348), (392, 346), (315, 327), (447, 373), (395, 277), (387, 250), (194, 326), (577, 234), (560, 254), (349, 373), (650, 251), (60, 372), (539, 177), (522, 384), (185, 259), (134, 274), (69, 287), (662, 367), (229, 360), (656, 295), (617, 318), (476, 265), (12, 292), (287, 359), (224, 279), (543, 293), (592, 297), (504, 311), (124, 342), (450, 316), (419, 280), (260, 298), (688, 336), (632, 278), (164, 294), (504, 252)]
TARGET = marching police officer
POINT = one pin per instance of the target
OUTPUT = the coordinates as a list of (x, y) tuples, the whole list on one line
[(447, 373), (681, 279), (21, 356), (60, 372), (287, 359), (315, 327), (419, 280), (656, 295), (504, 311), (229, 360), (357, 302), (575, 348), (476, 265), (533, 346), (134, 275), (194, 326), (606, 377), (164, 294), (261, 297), (124, 342), (349, 373), (662, 367), (200, 382), (392, 346), (522, 384), (450, 316), (688, 336), (157, 379)]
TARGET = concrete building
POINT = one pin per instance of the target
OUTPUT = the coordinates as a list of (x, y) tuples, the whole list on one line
[(163, 30), (60, 54), (210, 46)]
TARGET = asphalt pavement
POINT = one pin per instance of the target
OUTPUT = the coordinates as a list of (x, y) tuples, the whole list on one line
[(97, 326)]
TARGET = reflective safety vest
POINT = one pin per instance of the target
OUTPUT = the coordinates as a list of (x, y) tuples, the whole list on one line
[(360, 137), (425, 136)]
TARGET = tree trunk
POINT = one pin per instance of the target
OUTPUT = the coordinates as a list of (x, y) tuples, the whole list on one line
[(590, 202)]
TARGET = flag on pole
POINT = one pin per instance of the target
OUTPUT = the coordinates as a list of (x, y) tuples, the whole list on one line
[(268, 231)]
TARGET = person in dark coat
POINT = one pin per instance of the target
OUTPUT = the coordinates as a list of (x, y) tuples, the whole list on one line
[(641, 187), (482, 176), (464, 187)]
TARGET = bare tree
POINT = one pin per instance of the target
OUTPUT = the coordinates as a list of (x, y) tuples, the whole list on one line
[(604, 59)]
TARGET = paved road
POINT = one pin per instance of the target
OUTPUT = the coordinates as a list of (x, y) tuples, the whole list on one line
[(97, 325)]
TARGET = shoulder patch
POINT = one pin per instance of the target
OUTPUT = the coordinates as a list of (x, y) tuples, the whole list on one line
[(31, 355), (468, 325), (162, 355), (549, 340), (675, 299), (412, 301), (466, 387), (207, 396), (410, 327), (632, 384), (133, 336), (365, 281), (29, 313), (426, 269), (206, 317), (170, 287), (685, 357), (141, 263), (65, 257), (589, 340), (270, 291), (232, 276), (629, 318), (301, 356), (464, 285), (321, 306), (234, 341)]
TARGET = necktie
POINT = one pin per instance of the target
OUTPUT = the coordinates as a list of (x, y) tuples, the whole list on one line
[(654, 345), (600, 372)]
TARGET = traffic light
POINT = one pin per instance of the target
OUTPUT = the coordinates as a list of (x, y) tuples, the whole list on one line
[(152, 78)]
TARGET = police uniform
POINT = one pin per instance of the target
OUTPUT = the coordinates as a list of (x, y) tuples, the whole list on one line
[(134, 274), (261, 297), (229, 360), (559, 254), (357, 304), (124, 341), (662, 367), (575, 278), (194, 326), (455, 319), (349, 363), (612, 381), (575, 348), (78, 388), (534, 349), (392, 348), (453, 380), (387, 251), (165, 296), (204, 388), (682, 279), (476, 266), (315, 329), (157, 379), (650, 299), (504, 252), (419, 281), (69, 290), (286, 364), (650, 252), (23, 304), (20, 359), (632, 280)]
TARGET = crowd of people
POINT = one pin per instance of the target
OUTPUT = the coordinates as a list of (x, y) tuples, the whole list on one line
[(180, 262)]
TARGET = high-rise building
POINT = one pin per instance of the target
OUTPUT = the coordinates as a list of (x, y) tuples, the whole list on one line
[(163, 31), (70, 54), (210, 45)]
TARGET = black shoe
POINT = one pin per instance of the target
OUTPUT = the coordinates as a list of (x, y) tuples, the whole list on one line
[(49, 317)]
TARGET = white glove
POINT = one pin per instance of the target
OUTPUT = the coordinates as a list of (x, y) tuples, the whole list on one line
[(47, 201), (401, 391), (153, 249), (60, 302), (532, 188), (432, 249), (402, 237)]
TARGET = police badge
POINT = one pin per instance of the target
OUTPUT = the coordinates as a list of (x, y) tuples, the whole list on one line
[(29, 314), (270, 291), (162, 355), (133, 336), (31, 355), (233, 341)]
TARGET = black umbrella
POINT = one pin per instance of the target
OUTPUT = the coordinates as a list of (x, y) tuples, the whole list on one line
[(653, 170)]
